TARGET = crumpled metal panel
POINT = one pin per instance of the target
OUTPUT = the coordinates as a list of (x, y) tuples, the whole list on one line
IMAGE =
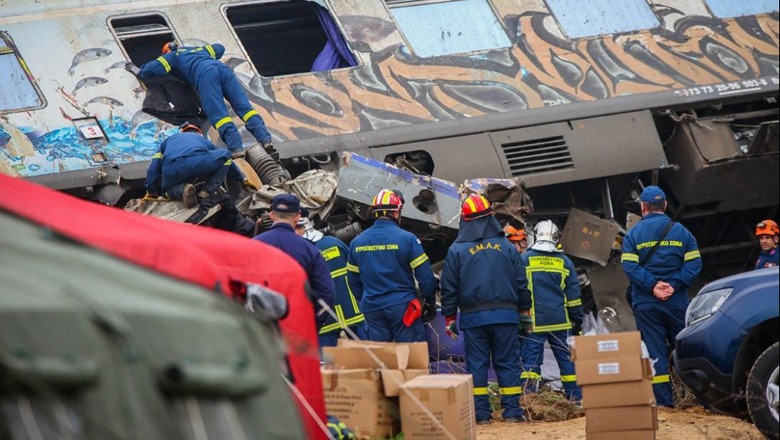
[(588, 236), (428, 199), (508, 196)]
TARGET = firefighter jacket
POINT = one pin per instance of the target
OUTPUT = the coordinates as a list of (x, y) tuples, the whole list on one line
[(483, 276), (676, 261), (335, 252), (167, 159), (768, 258), (186, 64), (384, 262), (555, 290), (282, 236)]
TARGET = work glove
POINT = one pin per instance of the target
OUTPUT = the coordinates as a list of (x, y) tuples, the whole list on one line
[(576, 328), (451, 327), (248, 184), (428, 312), (269, 148), (132, 68), (526, 322)]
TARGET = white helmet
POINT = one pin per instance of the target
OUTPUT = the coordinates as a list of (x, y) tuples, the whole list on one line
[(546, 237)]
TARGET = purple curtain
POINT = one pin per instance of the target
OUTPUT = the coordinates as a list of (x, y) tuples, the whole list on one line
[(335, 54)]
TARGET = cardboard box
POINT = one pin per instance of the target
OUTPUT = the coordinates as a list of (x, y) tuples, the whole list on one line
[(449, 397), (610, 346), (629, 418), (416, 359), (646, 434), (357, 399), (623, 369), (618, 394), (393, 379), (393, 357)]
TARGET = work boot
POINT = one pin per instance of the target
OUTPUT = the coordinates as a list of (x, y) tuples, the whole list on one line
[(205, 193), (188, 195), (484, 421), (520, 419)]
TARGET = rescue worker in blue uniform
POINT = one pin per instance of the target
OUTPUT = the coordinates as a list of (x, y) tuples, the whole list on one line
[(285, 211), (659, 287), (484, 278), (556, 310), (215, 82), (185, 157), (384, 262), (346, 308), (768, 235)]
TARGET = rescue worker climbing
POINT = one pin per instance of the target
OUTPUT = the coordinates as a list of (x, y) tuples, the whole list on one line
[(484, 278), (184, 158), (659, 286), (556, 310), (518, 237), (384, 262), (215, 82), (768, 235), (346, 308)]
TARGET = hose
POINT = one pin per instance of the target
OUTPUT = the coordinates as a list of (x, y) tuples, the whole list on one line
[(269, 171)]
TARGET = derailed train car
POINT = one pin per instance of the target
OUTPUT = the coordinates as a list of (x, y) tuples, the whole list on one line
[(585, 104)]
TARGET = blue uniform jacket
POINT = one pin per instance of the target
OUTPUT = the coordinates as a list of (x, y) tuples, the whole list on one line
[(768, 259), (677, 260), (483, 276), (384, 262), (186, 64), (335, 252), (555, 290), (179, 145), (282, 236)]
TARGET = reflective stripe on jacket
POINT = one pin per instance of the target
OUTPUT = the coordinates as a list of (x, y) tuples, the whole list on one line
[(555, 290), (335, 252)]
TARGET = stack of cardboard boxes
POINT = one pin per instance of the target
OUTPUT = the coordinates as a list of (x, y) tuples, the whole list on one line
[(617, 392), (379, 402)]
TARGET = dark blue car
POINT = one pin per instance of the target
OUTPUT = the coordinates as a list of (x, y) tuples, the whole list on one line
[(728, 352)]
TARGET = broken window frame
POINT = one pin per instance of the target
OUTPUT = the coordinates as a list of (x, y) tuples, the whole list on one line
[(8, 48), (569, 32), (398, 4), (121, 37), (225, 7)]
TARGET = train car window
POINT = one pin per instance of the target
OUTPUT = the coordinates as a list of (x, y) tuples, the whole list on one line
[(602, 17), (730, 8), (436, 28), (18, 92), (282, 38), (142, 36)]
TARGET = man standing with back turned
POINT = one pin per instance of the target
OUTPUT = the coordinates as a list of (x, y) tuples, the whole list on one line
[(661, 259)]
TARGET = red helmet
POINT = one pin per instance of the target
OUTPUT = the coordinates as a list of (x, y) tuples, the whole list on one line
[(169, 47), (767, 227), (475, 206), (387, 200), (514, 234), (189, 126)]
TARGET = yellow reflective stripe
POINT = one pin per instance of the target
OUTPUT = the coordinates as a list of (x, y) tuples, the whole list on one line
[(508, 391), (547, 269), (249, 114), (662, 378), (211, 51), (157, 156), (481, 391), (692, 255), (336, 428), (629, 257), (530, 375), (552, 328), (569, 378), (329, 328), (471, 204), (576, 302), (228, 162), (164, 63), (338, 272), (353, 268), (223, 121), (418, 261), (355, 320)]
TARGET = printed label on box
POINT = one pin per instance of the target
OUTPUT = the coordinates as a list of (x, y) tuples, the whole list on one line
[(612, 345), (91, 131), (610, 368)]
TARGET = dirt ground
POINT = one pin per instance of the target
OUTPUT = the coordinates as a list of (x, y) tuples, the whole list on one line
[(689, 424)]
